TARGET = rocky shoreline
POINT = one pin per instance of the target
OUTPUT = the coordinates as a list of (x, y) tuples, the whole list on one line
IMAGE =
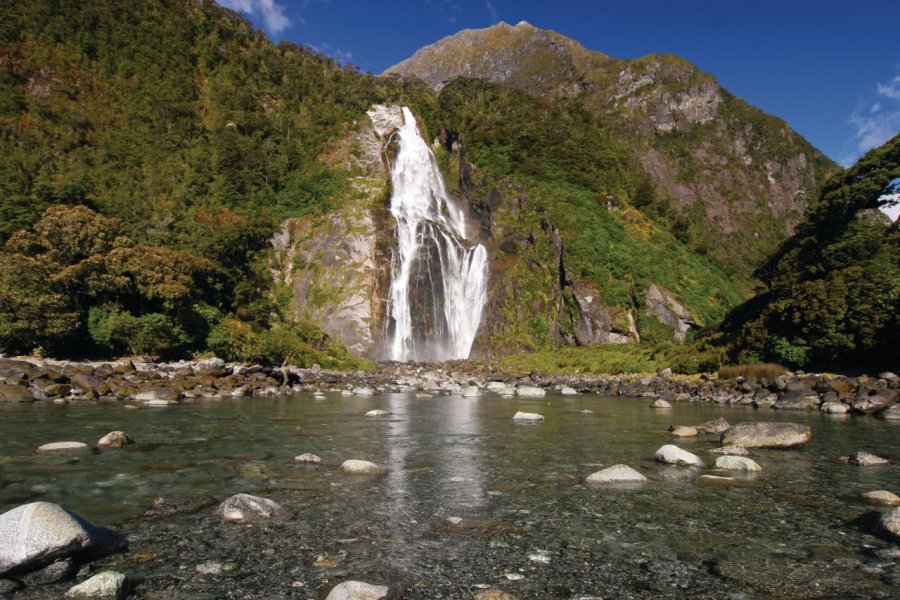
[(160, 384)]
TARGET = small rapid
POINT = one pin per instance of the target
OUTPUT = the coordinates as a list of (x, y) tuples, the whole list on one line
[(438, 277)]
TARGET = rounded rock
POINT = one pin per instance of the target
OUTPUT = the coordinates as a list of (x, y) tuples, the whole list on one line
[(865, 459), (531, 391), (245, 508), (615, 474), (361, 467), (308, 458), (889, 525), (881, 498), (683, 431), (108, 584), (378, 412), (767, 434), (63, 448), (673, 455), (660, 403), (357, 590), (526, 416), (737, 463), (115, 439)]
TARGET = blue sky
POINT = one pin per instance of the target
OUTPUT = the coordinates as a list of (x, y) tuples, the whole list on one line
[(830, 69)]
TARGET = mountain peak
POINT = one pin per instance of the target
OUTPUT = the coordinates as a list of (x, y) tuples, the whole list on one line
[(537, 60)]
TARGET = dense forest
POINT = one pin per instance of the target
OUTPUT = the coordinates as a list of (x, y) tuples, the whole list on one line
[(141, 183)]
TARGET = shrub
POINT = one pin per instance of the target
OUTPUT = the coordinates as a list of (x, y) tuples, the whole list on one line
[(756, 371)]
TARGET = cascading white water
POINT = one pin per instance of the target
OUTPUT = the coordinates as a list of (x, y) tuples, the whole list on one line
[(438, 281)]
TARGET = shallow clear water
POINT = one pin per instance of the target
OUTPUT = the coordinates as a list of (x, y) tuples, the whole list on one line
[(796, 530)]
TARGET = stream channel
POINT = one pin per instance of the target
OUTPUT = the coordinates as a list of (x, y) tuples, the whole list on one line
[(528, 524)]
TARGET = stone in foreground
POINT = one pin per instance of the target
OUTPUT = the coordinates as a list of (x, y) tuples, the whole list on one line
[(108, 584), (881, 498), (35, 534), (767, 434), (63, 448), (615, 474), (526, 416), (737, 463), (115, 439), (245, 508), (673, 455), (889, 525), (357, 590), (361, 467), (865, 459)]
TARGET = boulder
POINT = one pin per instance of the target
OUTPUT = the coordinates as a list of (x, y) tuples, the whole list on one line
[(115, 439), (673, 455), (35, 534), (683, 431), (361, 467), (472, 391), (309, 459), (526, 416), (660, 403), (804, 399), (357, 590), (889, 525), (157, 396), (244, 508), (59, 570), (834, 408), (530, 391), (15, 393), (615, 474), (568, 391), (63, 448), (767, 434), (737, 463), (211, 367), (714, 427), (89, 384), (730, 451), (364, 391), (892, 413), (864, 459), (875, 401), (881, 498), (108, 584)]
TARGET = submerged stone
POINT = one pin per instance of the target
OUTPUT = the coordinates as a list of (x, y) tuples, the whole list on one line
[(531, 391), (357, 590), (308, 458), (737, 463), (526, 416), (865, 459), (245, 508), (63, 448), (660, 403), (115, 439), (361, 467), (615, 474)]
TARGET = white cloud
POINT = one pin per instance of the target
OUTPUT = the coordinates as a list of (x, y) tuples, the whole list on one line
[(337, 54), (495, 15), (876, 120), (272, 13)]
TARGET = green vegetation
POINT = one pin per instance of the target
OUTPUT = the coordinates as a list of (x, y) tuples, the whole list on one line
[(768, 371), (833, 289)]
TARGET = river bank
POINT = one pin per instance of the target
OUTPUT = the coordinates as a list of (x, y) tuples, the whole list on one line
[(157, 384)]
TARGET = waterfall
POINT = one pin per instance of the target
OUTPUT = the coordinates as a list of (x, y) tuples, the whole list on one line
[(438, 279)]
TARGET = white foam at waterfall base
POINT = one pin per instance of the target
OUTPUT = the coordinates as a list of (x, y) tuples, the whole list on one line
[(428, 220)]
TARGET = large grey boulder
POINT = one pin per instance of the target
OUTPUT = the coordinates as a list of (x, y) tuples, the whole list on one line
[(889, 525), (245, 508), (35, 534), (673, 455), (878, 400), (767, 434), (106, 585), (717, 426), (805, 399), (531, 391), (357, 590), (615, 474), (15, 393)]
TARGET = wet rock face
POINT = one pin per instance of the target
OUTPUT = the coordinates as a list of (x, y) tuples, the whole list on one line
[(766, 434), (34, 534), (669, 311)]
